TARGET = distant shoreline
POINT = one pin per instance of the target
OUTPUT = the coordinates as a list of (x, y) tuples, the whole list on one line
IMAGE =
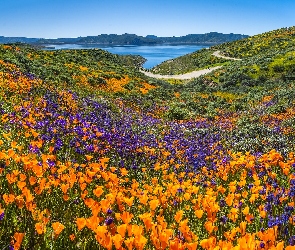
[(119, 44), (211, 38)]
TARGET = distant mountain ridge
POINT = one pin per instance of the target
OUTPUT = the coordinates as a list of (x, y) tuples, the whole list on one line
[(132, 39)]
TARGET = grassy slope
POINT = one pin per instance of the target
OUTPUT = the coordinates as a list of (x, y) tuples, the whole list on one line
[(198, 60), (263, 48)]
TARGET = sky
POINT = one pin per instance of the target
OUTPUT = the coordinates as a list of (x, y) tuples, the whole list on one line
[(74, 18)]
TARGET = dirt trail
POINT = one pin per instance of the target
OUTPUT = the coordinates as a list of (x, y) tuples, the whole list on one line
[(217, 54), (193, 74), (186, 76)]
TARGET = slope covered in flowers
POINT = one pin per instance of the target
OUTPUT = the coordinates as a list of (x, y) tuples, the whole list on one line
[(94, 155)]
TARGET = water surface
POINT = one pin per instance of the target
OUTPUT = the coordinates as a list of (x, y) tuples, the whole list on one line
[(155, 54)]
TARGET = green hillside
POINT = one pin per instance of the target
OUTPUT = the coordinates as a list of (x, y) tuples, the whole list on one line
[(96, 155), (276, 40), (271, 51)]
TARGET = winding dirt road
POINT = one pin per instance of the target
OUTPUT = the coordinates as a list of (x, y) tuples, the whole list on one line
[(217, 54), (192, 74), (186, 76)]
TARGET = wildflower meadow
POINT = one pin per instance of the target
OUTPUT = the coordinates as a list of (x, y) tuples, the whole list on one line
[(95, 155)]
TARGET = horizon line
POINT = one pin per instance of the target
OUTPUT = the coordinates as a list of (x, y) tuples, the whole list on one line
[(125, 34)]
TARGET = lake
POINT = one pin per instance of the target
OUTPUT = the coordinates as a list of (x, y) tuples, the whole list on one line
[(155, 54)]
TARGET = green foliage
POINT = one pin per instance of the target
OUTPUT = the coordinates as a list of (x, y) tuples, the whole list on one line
[(275, 40), (200, 59), (177, 112)]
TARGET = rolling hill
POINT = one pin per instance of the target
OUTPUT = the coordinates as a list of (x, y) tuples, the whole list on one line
[(268, 50)]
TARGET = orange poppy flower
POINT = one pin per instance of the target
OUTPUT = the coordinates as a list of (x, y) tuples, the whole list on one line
[(246, 210), (124, 171), (199, 213), (19, 200), (192, 246), (92, 222), (117, 240), (164, 237), (143, 199), (64, 188), (104, 204), (8, 198), (141, 242), (11, 178), (178, 216), (147, 220), (37, 170), (121, 229), (129, 201), (154, 204), (126, 217), (129, 243), (81, 223), (280, 245), (98, 191), (209, 226), (32, 180), (72, 237), (18, 240), (88, 157), (40, 228), (57, 227), (27, 193), (21, 184), (249, 218), (208, 243), (243, 225), (101, 231)]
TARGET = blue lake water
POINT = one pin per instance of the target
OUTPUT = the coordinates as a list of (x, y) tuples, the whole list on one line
[(154, 54)]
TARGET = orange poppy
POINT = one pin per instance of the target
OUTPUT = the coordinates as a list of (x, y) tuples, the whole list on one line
[(101, 231), (40, 228), (121, 229), (129, 201), (21, 184), (98, 191), (243, 225), (27, 193), (209, 226), (72, 237), (141, 242), (246, 210), (18, 240), (154, 204), (81, 223), (57, 227), (178, 216), (11, 178), (126, 217), (147, 220), (143, 199), (129, 243), (280, 245), (88, 157), (192, 246), (117, 240), (8, 198), (19, 200), (92, 222), (199, 213)]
